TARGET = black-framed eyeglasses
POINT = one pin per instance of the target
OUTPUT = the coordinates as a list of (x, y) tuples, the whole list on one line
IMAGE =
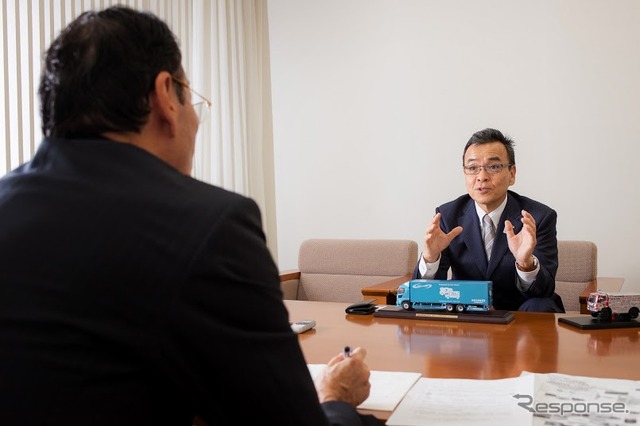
[(202, 106), (492, 169)]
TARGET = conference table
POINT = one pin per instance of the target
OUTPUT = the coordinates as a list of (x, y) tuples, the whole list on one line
[(534, 342)]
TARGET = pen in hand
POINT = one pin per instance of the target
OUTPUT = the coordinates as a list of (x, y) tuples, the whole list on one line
[(347, 352)]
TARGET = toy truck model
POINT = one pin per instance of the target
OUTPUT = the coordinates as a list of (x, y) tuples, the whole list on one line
[(448, 295), (614, 306)]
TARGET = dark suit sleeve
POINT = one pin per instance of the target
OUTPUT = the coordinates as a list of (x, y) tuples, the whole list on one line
[(416, 271), (228, 341), (547, 253), (341, 413)]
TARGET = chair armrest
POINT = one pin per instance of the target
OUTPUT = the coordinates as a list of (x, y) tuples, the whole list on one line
[(384, 292), (291, 274), (289, 283)]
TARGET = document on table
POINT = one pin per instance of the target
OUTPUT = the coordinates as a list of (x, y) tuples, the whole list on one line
[(577, 400), (463, 402), (387, 387), (531, 399)]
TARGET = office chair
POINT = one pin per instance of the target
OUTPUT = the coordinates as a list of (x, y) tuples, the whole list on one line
[(577, 268), (334, 270)]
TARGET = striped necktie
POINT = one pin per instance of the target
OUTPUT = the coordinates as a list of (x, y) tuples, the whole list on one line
[(488, 233)]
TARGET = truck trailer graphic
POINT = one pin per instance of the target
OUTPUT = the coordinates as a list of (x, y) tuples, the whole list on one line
[(447, 295)]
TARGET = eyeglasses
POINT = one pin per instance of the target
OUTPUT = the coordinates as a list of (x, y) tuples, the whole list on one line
[(492, 169), (202, 106)]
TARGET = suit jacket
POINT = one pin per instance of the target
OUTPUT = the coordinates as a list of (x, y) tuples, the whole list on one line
[(125, 299), (468, 261)]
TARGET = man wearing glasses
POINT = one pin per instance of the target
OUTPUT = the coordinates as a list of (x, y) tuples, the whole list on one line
[(495, 234), (124, 293)]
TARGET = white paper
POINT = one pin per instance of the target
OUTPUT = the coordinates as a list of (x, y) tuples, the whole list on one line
[(578, 400), (387, 387), (463, 402), (531, 399)]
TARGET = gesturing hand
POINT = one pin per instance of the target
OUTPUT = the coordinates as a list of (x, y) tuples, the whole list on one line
[(436, 240), (522, 244)]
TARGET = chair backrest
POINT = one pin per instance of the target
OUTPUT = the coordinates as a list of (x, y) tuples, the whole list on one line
[(335, 270), (577, 267)]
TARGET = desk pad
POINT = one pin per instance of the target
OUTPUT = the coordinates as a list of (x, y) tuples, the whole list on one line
[(491, 317), (587, 322)]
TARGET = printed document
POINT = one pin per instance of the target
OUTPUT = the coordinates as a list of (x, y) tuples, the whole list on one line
[(463, 402), (531, 399)]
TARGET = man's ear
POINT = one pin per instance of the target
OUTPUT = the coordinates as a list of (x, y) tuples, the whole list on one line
[(164, 101)]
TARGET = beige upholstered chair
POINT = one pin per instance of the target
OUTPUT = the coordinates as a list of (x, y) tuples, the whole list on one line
[(334, 270), (577, 267)]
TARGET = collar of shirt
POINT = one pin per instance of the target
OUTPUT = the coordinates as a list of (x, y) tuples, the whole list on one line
[(494, 215)]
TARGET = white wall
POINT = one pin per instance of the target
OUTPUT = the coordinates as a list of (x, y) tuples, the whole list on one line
[(373, 101)]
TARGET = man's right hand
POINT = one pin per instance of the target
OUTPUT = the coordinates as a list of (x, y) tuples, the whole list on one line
[(345, 379), (435, 240)]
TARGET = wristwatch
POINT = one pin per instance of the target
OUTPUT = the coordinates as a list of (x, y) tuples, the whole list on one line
[(535, 265)]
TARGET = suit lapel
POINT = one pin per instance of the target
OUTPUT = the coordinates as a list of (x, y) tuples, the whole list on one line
[(473, 236)]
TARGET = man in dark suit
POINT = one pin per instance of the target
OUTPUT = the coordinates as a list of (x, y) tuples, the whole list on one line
[(520, 251), (125, 297)]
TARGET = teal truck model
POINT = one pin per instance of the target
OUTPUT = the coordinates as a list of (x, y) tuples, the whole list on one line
[(448, 295)]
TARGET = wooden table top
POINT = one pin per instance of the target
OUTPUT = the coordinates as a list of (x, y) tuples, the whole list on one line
[(534, 342)]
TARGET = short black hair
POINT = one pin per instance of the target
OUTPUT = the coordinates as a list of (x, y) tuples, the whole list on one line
[(489, 135), (99, 71)]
